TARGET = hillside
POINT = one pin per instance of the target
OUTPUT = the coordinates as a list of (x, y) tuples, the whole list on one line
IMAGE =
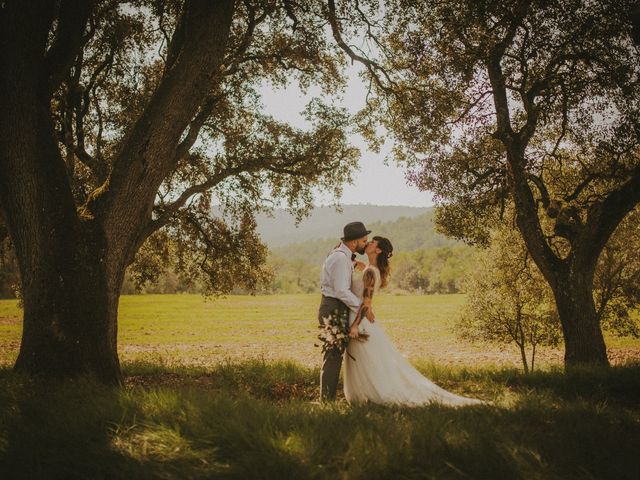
[(407, 234), (423, 260), (324, 222)]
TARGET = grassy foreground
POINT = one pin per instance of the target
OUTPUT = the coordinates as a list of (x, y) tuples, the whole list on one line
[(227, 389), (255, 420)]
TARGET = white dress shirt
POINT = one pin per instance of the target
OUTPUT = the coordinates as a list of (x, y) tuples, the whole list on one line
[(335, 280)]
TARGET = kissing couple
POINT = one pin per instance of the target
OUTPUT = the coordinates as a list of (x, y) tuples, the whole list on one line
[(375, 371)]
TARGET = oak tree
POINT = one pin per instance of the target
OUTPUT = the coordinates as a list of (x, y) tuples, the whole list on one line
[(525, 101), (122, 123)]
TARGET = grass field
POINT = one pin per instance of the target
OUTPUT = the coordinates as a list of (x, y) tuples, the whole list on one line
[(188, 330), (254, 420), (227, 389)]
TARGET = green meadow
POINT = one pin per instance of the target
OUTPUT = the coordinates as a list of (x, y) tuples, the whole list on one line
[(191, 330), (227, 388)]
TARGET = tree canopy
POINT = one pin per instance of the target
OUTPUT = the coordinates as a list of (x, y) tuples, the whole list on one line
[(230, 153), (525, 101), (123, 122)]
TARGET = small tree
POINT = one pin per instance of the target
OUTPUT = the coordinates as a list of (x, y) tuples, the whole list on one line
[(617, 279), (508, 300)]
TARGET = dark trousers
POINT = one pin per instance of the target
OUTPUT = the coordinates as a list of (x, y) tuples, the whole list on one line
[(331, 359)]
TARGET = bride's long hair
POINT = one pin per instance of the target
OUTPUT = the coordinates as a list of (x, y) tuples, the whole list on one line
[(383, 259)]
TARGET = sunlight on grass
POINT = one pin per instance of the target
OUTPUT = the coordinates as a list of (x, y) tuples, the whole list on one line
[(235, 421)]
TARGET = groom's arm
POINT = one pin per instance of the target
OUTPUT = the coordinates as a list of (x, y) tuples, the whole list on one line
[(340, 271)]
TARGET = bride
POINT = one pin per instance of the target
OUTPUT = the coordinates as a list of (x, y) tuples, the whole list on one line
[(375, 370)]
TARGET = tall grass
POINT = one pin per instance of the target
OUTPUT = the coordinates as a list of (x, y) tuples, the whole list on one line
[(260, 420)]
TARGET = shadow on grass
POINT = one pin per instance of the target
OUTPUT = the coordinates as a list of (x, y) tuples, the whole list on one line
[(239, 421), (619, 384), (58, 431)]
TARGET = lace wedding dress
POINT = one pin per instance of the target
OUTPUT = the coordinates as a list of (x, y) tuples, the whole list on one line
[(376, 371)]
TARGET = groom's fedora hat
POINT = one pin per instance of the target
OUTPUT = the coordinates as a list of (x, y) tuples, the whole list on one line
[(354, 230)]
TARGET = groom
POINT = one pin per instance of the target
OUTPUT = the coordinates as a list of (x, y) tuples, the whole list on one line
[(335, 285)]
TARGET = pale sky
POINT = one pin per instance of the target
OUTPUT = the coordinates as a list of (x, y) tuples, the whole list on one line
[(375, 183)]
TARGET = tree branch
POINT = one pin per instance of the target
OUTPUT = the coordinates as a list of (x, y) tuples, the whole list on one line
[(251, 166), (69, 39), (177, 40), (233, 61), (148, 154), (604, 217), (78, 99), (581, 186), (168, 211), (195, 126), (373, 67), (539, 183), (526, 209)]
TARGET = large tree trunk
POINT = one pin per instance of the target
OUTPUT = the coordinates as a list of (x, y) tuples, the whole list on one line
[(72, 265), (584, 343), (70, 314), (570, 279), (572, 286)]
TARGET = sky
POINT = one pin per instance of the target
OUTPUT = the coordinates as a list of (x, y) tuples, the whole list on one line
[(375, 183)]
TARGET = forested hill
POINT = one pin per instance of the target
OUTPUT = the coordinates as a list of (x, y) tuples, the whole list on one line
[(407, 234), (326, 222), (424, 260)]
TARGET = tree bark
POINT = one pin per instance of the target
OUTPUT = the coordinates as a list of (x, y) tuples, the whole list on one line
[(72, 264), (523, 355), (70, 311), (583, 339)]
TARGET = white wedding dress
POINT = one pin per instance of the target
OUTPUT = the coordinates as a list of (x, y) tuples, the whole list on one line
[(377, 372)]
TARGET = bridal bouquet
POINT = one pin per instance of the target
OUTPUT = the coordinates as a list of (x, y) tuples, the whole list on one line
[(334, 332)]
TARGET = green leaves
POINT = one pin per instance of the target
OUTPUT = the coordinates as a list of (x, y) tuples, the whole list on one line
[(231, 154), (569, 75), (508, 300)]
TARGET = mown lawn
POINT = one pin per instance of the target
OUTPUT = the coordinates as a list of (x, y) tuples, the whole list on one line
[(228, 389)]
